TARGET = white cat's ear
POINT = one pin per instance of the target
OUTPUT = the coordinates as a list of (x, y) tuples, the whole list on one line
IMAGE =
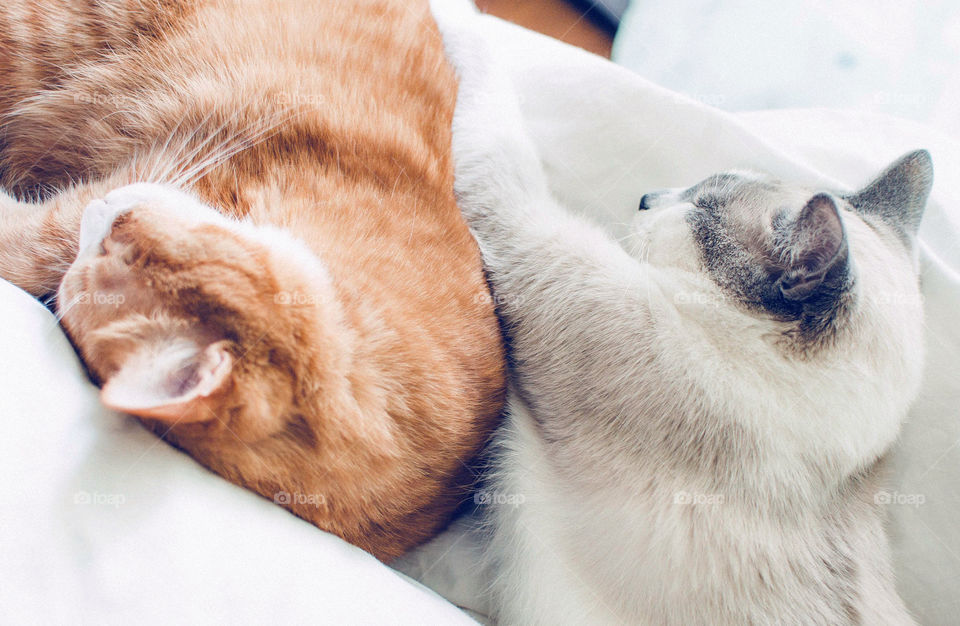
[(172, 382), (816, 250), (899, 195)]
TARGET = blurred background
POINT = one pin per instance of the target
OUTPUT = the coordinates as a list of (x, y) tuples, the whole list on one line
[(895, 57)]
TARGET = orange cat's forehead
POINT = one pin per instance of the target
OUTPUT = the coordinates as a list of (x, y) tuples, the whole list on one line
[(154, 266), (179, 321)]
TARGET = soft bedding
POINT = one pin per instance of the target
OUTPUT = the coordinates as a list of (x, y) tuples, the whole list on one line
[(103, 523)]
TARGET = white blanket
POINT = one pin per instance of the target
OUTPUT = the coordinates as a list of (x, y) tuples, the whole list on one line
[(101, 522)]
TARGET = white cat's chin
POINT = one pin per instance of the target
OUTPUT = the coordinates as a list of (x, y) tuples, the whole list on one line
[(637, 240)]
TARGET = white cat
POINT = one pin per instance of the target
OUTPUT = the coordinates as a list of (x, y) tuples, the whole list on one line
[(700, 415)]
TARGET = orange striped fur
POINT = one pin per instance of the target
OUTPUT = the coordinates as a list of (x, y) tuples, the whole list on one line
[(361, 388)]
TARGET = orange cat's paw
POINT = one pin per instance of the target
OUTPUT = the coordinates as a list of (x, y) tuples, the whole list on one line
[(98, 218), (100, 214)]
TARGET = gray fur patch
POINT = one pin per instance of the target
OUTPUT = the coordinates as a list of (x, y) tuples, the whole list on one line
[(742, 223), (898, 196), (752, 239)]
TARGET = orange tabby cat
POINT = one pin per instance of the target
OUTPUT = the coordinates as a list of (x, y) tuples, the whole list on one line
[(290, 294)]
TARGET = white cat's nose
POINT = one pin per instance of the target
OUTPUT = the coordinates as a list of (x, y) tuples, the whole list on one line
[(647, 201)]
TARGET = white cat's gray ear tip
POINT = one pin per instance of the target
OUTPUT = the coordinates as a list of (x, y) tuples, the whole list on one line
[(920, 165), (921, 162), (822, 201), (920, 155)]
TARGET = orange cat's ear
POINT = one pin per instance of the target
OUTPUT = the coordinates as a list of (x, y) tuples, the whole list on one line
[(172, 383)]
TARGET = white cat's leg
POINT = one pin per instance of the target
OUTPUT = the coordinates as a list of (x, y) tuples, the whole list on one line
[(565, 290), (537, 580), (531, 246)]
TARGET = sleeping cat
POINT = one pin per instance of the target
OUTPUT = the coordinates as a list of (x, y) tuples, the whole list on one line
[(701, 415), (245, 212)]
